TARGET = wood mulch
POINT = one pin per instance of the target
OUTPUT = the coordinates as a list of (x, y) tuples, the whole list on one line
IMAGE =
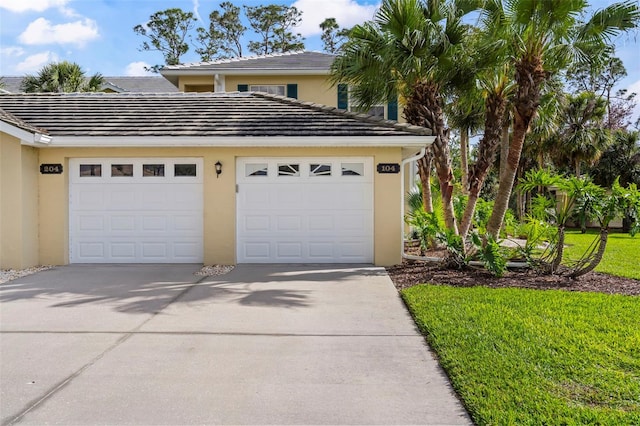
[(410, 273)]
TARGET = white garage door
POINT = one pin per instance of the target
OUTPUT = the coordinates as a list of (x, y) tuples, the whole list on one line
[(135, 210), (305, 210)]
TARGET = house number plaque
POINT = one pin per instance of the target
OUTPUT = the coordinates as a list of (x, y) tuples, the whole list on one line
[(388, 168), (51, 169)]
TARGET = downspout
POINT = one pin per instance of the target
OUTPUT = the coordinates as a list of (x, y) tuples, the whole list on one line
[(416, 157)]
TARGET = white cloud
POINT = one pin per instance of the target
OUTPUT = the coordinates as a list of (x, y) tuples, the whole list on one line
[(137, 69), (12, 51), (346, 12), (196, 11), (33, 63), (31, 5), (42, 31)]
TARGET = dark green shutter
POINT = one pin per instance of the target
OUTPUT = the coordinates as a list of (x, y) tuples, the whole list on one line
[(243, 87), (392, 110), (292, 91), (343, 96)]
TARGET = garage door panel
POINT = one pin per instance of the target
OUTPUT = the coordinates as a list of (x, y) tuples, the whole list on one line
[(123, 250), (289, 223), (304, 218), (135, 219), (90, 223), (322, 223)]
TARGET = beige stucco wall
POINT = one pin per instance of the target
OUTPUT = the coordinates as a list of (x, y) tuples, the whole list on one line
[(219, 197), (311, 88), (18, 204)]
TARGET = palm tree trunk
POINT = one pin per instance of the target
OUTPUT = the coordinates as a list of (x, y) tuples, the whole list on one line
[(555, 264), (529, 76), (504, 148), (424, 171), (493, 131), (501, 203), (597, 258), (424, 108), (464, 159)]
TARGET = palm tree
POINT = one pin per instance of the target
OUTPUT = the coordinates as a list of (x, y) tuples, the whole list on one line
[(542, 38), (621, 160), (61, 77), (464, 112), (583, 137), (496, 92), (410, 48)]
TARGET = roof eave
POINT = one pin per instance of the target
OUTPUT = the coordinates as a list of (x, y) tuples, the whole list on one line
[(26, 137), (166, 73), (241, 141)]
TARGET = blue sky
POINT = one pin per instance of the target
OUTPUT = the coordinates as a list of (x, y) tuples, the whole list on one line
[(98, 35)]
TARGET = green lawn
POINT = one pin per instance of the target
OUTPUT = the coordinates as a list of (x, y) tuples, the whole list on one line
[(621, 258), (531, 357)]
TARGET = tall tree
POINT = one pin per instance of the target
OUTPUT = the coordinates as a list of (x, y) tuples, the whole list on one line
[(410, 48), (332, 35), (583, 136), (465, 113), (274, 24), (620, 161), (58, 77), (600, 77), (543, 38), (223, 38), (167, 32)]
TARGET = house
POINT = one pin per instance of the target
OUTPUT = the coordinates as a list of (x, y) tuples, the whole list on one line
[(300, 75), (138, 84), (214, 178)]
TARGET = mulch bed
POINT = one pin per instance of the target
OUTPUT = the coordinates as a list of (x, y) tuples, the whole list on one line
[(411, 273)]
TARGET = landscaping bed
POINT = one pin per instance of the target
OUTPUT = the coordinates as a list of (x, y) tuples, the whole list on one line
[(410, 273)]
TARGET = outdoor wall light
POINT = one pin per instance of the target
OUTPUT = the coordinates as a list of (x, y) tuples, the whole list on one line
[(218, 169)]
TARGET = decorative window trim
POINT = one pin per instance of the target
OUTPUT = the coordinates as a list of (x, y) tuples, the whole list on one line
[(289, 169), (256, 169), (352, 169), (320, 169), (272, 89)]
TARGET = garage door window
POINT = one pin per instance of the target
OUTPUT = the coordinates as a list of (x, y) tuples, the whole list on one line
[(352, 169), (94, 170), (288, 169), (255, 169), (320, 170), (119, 170), (153, 170), (185, 170)]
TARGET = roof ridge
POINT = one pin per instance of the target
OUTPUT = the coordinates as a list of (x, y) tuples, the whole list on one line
[(367, 118), (237, 59)]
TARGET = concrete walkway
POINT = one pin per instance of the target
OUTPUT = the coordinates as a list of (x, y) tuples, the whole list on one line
[(272, 344)]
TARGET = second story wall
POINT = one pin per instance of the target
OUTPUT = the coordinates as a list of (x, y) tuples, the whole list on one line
[(310, 88)]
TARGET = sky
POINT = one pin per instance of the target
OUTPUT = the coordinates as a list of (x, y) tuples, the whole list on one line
[(98, 34)]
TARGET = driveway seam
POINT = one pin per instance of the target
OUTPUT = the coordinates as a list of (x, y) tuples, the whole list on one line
[(126, 335)]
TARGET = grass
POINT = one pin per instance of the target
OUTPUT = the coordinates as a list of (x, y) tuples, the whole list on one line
[(530, 357), (622, 255)]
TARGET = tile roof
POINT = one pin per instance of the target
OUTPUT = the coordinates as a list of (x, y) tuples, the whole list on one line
[(193, 114), (7, 117), (289, 61), (141, 84)]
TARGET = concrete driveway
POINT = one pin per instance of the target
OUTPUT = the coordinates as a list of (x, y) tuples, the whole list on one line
[(272, 344)]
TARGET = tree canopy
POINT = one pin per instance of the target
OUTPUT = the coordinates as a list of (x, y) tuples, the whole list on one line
[(58, 77), (271, 29)]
